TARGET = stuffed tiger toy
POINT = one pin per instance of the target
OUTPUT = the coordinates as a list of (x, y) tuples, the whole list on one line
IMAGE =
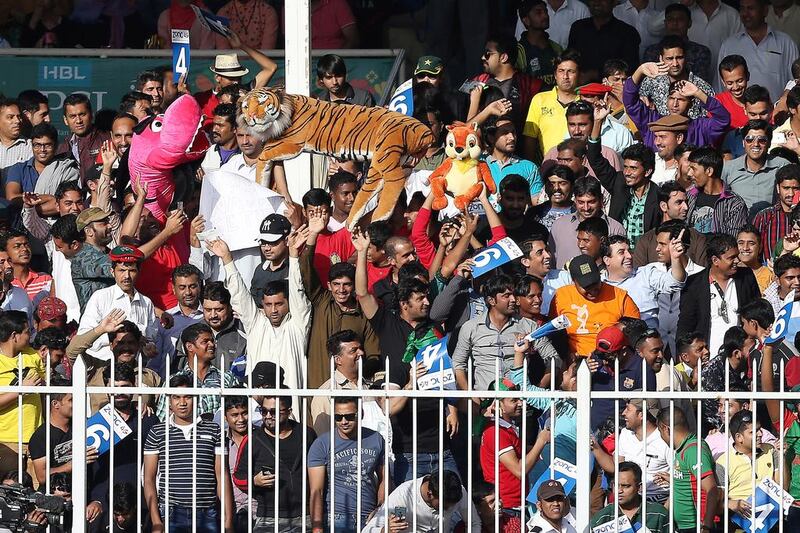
[(290, 124)]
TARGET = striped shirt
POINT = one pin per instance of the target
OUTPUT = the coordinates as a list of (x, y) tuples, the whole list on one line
[(184, 464), (730, 211), (773, 224), (19, 151), (36, 283)]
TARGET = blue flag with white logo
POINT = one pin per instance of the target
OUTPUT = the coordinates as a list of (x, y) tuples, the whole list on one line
[(437, 361), (493, 256), (766, 511), (403, 99), (787, 323), (102, 425)]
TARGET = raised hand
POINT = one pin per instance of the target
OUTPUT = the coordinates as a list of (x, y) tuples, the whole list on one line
[(688, 89), (601, 110), (234, 40), (31, 199), (175, 222), (791, 242), (676, 246), (109, 154), (139, 188), (316, 220), (653, 69), (219, 248), (112, 321), (360, 240), (296, 240)]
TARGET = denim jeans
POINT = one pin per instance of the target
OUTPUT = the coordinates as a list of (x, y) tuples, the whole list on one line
[(426, 463), (180, 519)]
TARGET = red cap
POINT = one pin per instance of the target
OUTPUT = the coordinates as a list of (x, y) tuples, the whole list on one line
[(594, 89), (611, 339), (792, 372), (51, 308)]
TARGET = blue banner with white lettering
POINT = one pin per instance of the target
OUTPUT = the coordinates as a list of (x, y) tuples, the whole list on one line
[(180, 53), (493, 256), (766, 511), (99, 429), (787, 323), (437, 361), (562, 471)]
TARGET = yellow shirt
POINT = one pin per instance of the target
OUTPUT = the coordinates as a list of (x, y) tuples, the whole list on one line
[(738, 471), (546, 120), (31, 403), (764, 277)]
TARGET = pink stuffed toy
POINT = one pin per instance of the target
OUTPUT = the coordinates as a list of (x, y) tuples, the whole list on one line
[(161, 144)]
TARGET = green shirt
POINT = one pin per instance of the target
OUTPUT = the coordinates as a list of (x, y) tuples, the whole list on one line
[(634, 218), (657, 520), (792, 440), (684, 497)]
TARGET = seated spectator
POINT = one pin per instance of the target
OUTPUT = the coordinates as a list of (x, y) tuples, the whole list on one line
[(180, 16), (333, 26), (713, 207), (332, 78), (630, 501), (195, 462), (355, 455), (691, 350), (421, 496)]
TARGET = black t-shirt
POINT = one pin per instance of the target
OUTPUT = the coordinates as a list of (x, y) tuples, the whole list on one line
[(60, 445), (263, 276), (529, 227), (706, 200)]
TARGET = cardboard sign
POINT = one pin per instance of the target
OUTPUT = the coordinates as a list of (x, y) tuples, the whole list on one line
[(766, 511), (437, 361), (180, 53), (620, 525), (210, 21), (787, 323), (403, 99), (99, 429), (496, 255), (562, 471)]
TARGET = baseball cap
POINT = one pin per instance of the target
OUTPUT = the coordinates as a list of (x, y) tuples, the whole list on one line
[(87, 216), (51, 308), (584, 271), (550, 489), (653, 406), (429, 65), (126, 254), (610, 340), (264, 374), (274, 228)]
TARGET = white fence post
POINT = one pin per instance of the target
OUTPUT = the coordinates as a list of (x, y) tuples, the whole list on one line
[(298, 81), (584, 407), (79, 485)]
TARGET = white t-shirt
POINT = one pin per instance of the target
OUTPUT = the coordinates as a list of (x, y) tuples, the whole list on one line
[(655, 458), (65, 290), (718, 325)]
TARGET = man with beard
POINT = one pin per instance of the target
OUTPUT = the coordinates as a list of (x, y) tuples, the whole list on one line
[(125, 342), (645, 284), (516, 214), (125, 263), (483, 338), (223, 135), (278, 330), (90, 265), (502, 138), (275, 251), (267, 471), (86, 140), (558, 183), (228, 330), (111, 165), (630, 498), (580, 119), (200, 347), (129, 449), (752, 176)]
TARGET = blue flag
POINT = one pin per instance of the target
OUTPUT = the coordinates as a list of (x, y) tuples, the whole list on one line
[(403, 99), (437, 361)]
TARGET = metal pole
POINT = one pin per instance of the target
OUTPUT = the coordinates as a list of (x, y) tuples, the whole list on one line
[(584, 405), (79, 465), (298, 81)]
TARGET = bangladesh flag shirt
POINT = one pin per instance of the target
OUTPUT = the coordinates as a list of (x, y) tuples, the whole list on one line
[(686, 480)]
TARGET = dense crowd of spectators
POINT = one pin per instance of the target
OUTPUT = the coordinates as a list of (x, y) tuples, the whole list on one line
[(645, 158)]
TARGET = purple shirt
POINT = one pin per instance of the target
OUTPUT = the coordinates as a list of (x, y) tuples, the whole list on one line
[(702, 131)]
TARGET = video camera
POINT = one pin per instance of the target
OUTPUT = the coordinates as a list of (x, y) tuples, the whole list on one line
[(17, 502)]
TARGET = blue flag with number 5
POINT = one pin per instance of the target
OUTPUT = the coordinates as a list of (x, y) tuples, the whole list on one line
[(787, 323)]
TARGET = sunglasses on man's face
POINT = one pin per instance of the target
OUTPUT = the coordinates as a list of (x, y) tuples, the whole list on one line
[(350, 417), (760, 139)]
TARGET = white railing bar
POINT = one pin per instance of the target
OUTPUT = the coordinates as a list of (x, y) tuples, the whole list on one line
[(145, 53)]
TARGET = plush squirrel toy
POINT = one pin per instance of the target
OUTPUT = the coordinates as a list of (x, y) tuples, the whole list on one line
[(463, 175)]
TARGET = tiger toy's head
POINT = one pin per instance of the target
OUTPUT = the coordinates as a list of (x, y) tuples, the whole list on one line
[(463, 141), (265, 112)]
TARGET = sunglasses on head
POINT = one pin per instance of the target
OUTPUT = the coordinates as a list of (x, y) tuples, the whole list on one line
[(350, 417)]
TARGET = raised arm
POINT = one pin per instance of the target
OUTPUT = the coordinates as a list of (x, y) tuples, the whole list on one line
[(299, 306), (268, 66), (369, 304), (241, 300)]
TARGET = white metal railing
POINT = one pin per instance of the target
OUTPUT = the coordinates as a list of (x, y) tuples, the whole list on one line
[(583, 396)]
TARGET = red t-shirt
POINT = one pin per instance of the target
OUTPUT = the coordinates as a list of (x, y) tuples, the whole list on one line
[(738, 116), (332, 248), (208, 101), (155, 275), (508, 442)]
